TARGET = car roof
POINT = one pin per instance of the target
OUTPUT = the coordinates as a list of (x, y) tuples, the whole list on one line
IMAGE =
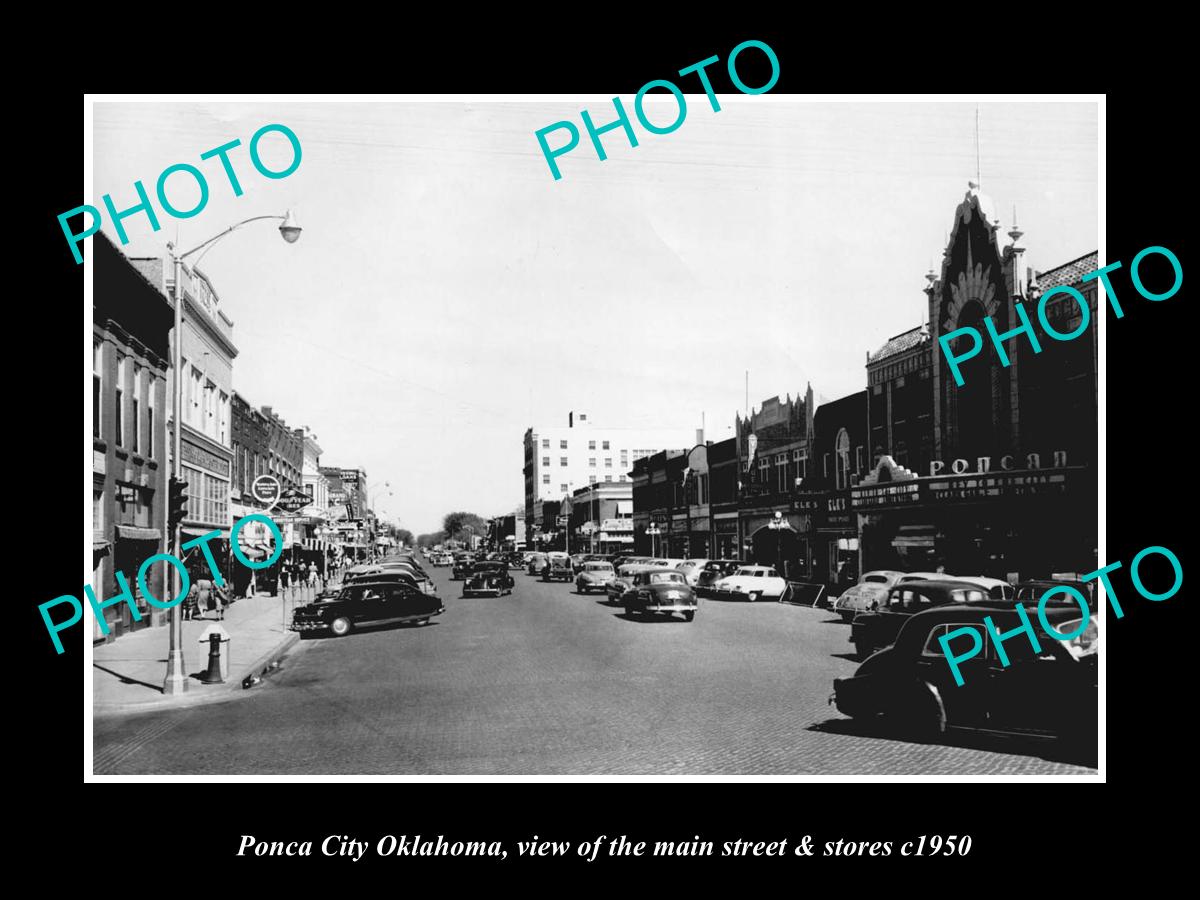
[(374, 582), (942, 585)]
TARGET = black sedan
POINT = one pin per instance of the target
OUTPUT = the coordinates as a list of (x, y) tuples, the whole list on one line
[(364, 603), (912, 684), (488, 578), (715, 570), (656, 591)]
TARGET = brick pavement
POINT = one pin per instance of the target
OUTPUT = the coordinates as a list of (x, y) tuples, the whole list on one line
[(547, 682)]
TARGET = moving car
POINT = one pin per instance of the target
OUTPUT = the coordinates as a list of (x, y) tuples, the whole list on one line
[(366, 603), (616, 587), (751, 583), (691, 569), (462, 565), (878, 628), (911, 685), (714, 570), (660, 590), (594, 576), (1030, 593), (486, 578), (872, 588), (557, 568), (535, 563), (996, 589)]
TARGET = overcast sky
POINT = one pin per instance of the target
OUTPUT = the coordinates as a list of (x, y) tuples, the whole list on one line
[(447, 292)]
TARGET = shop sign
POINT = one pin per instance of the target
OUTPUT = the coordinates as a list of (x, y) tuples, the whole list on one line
[(999, 486), (983, 464), (206, 460), (99, 462), (726, 526), (901, 493)]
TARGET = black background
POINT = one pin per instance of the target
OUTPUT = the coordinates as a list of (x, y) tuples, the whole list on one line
[(1060, 829)]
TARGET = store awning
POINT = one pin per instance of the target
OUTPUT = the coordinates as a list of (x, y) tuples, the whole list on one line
[(134, 533)]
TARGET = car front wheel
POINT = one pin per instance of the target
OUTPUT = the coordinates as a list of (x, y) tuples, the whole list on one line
[(753, 596), (688, 616), (340, 626)]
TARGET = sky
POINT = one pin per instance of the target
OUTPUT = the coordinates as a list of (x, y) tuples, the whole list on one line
[(447, 292)]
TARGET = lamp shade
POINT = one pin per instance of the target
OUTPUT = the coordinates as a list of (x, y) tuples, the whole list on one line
[(290, 229)]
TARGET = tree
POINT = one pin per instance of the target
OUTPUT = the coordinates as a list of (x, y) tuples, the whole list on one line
[(431, 539), (455, 525), (404, 536)]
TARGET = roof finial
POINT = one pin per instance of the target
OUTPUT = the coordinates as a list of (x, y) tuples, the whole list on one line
[(978, 177), (1016, 232)]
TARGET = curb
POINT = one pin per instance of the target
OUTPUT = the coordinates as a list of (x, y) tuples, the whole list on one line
[(259, 665), (220, 692)]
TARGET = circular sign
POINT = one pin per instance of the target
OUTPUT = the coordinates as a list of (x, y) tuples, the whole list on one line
[(265, 488)]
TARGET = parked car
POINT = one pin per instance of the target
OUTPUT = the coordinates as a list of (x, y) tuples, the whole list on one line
[(714, 570), (873, 630), (594, 576), (366, 603), (623, 581), (996, 589), (911, 685), (660, 590), (1030, 593), (398, 575), (535, 563), (691, 569), (489, 577), (751, 583), (557, 568), (872, 587)]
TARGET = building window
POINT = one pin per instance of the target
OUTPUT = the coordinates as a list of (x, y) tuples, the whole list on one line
[(224, 412), (119, 404), (607, 460), (624, 458), (825, 465), (545, 479), (591, 479), (842, 451), (604, 445), (591, 445), (562, 445), (592, 461), (97, 510), (623, 478), (563, 488), (545, 443), (608, 478), (151, 390), (858, 458), (137, 406), (97, 384), (545, 460)]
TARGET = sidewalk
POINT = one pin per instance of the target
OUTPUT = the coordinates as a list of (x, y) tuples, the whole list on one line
[(128, 673)]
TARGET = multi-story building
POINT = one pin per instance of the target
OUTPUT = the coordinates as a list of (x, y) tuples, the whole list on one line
[(285, 451), (996, 476), (131, 323), (348, 492), (600, 517), (316, 485), (560, 459), (208, 352)]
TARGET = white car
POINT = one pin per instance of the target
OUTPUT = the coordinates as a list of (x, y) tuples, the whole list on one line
[(691, 569), (751, 583), (996, 589), (870, 591)]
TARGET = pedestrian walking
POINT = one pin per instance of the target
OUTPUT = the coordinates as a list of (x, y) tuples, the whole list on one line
[(220, 601), (204, 597), (312, 574), (283, 577), (191, 608)]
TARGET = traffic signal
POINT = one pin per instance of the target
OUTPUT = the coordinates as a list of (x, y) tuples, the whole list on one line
[(177, 502)]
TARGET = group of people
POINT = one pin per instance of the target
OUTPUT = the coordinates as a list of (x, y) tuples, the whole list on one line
[(291, 574)]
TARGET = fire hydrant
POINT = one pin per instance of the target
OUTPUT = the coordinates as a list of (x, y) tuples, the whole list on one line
[(218, 656)]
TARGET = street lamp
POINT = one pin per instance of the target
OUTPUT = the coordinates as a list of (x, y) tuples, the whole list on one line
[(654, 531), (176, 680)]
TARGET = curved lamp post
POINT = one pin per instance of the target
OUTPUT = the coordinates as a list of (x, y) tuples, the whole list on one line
[(176, 680)]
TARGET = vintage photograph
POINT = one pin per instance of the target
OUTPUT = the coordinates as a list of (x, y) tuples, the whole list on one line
[(424, 446)]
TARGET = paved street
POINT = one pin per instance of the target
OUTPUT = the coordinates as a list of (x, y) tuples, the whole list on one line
[(550, 682)]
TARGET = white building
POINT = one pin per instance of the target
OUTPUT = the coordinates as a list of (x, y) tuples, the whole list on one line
[(560, 459), (315, 484)]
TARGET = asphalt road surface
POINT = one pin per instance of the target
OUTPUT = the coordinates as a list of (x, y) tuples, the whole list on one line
[(548, 682)]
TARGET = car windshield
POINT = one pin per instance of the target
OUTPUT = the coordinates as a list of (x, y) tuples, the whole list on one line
[(665, 578), (597, 567)]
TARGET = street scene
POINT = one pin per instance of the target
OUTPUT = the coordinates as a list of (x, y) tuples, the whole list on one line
[(684, 465)]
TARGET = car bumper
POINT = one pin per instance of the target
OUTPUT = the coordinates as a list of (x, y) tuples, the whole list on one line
[(477, 592), (307, 625), (670, 607)]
